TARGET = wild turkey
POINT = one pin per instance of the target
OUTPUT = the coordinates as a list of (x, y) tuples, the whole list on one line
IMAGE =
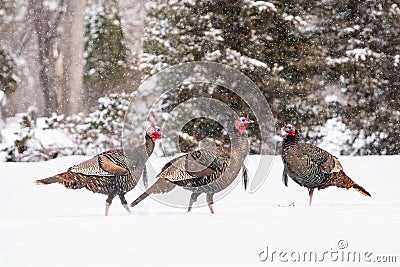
[(205, 170), (311, 166), (110, 173)]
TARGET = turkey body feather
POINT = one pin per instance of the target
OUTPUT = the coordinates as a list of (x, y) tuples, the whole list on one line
[(199, 171), (206, 171), (114, 172), (311, 166)]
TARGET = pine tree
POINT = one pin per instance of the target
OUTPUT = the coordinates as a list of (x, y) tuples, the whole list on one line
[(8, 78), (363, 42), (8, 75), (258, 38), (107, 68)]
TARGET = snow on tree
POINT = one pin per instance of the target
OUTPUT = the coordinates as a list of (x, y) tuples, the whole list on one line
[(363, 42), (8, 73), (107, 68), (329, 67), (258, 38), (63, 135), (97, 131), (8, 77)]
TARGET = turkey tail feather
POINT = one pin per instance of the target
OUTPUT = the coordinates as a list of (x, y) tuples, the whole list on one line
[(68, 179), (341, 180), (50, 180), (139, 199), (161, 186), (361, 190)]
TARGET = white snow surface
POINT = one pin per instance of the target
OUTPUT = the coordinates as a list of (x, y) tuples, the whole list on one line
[(53, 226)]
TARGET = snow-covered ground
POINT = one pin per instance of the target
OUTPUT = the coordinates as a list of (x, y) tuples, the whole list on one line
[(53, 226)]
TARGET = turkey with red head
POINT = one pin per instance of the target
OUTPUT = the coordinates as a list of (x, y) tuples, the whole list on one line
[(311, 166), (206, 171), (112, 173)]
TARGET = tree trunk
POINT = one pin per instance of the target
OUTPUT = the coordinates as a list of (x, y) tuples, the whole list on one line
[(46, 78), (73, 47), (45, 22)]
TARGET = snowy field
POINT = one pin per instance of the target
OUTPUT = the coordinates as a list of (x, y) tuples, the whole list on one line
[(53, 226)]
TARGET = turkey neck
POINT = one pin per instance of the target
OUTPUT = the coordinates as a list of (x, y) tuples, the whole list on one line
[(139, 155), (239, 151), (291, 140), (242, 144), (149, 145), (236, 154)]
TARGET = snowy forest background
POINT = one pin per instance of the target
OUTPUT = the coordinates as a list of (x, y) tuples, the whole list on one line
[(68, 68)]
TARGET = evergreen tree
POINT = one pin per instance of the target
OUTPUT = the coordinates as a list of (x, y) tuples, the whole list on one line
[(362, 39), (8, 75), (256, 37), (107, 68), (8, 78)]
